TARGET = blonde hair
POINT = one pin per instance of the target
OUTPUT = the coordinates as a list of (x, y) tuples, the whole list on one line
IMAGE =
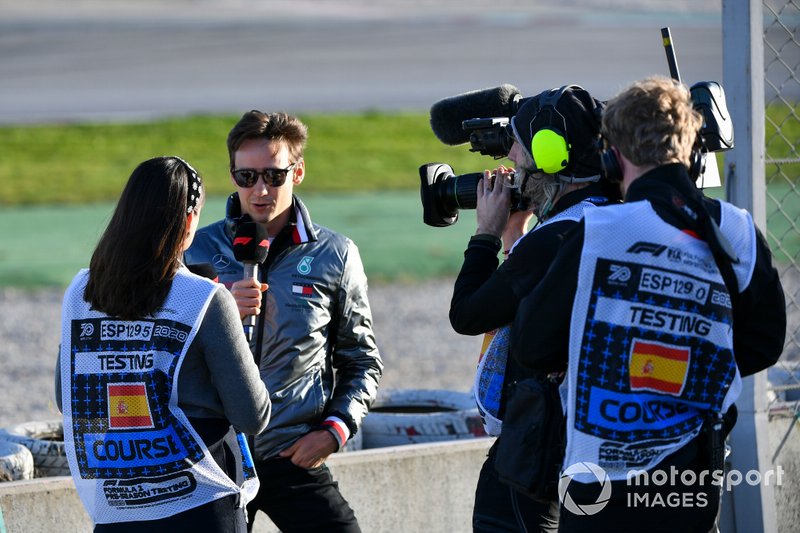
[(652, 122)]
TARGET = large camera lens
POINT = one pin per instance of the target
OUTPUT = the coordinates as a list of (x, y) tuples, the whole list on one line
[(443, 193)]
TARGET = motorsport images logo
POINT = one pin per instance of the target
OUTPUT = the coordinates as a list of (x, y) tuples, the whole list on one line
[(586, 508), (680, 488)]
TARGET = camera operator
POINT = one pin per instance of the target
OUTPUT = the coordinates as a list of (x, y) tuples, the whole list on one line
[(638, 307), (486, 297)]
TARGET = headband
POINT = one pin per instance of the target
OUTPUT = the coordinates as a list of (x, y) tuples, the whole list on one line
[(195, 189)]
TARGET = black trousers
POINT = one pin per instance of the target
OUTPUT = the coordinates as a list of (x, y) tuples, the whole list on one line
[(300, 500), (498, 507), (654, 508), (662, 509), (219, 516)]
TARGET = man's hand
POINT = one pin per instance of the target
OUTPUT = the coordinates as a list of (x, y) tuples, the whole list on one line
[(247, 293), (312, 449), (494, 202)]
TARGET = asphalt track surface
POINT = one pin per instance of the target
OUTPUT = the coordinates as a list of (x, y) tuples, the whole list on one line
[(132, 60)]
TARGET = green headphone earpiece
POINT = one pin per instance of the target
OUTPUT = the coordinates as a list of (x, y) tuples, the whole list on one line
[(550, 151), (549, 146)]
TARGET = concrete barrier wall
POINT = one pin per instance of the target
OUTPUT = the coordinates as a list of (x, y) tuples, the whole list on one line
[(43, 505), (420, 487)]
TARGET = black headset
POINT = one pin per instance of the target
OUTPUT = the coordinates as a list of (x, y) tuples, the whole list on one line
[(612, 170), (609, 162), (548, 128)]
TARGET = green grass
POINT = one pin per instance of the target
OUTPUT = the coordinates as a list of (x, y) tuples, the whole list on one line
[(370, 151), (84, 163), (782, 131), (58, 185), (46, 246)]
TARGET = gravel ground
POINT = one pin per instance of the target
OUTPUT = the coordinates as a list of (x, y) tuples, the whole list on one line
[(419, 348)]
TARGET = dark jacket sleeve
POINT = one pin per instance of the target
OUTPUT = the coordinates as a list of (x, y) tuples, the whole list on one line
[(541, 329), (481, 302), (355, 355), (486, 297), (759, 316)]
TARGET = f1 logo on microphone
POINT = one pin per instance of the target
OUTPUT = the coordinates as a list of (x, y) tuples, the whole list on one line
[(243, 241)]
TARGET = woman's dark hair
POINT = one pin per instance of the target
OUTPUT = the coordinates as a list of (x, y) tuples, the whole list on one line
[(132, 268)]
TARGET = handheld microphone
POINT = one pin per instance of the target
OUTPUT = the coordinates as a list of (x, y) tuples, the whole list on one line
[(205, 270), (448, 114), (250, 247)]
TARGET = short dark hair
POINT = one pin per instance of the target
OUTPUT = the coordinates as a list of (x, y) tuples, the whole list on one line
[(280, 127), (132, 267)]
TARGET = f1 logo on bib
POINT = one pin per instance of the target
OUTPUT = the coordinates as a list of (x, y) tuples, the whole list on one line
[(600, 476)]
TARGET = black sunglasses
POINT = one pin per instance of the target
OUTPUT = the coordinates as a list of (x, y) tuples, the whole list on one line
[(274, 177)]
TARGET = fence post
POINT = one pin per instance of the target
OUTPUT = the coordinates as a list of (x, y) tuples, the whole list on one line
[(743, 73)]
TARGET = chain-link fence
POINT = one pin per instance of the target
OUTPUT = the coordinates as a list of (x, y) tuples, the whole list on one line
[(782, 174)]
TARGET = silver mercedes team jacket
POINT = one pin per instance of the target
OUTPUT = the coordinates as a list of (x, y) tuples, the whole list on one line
[(318, 352)]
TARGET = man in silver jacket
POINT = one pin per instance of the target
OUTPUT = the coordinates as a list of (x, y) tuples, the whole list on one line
[(313, 320)]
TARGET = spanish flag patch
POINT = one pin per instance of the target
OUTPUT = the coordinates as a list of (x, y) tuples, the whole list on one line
[(658, 367), (128, 407)]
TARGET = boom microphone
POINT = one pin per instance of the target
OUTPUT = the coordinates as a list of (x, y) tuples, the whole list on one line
[(250, 246), (448, 114)]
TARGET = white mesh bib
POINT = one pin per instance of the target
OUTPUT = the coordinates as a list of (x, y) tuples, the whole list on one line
[(132, 452), (651, 347)]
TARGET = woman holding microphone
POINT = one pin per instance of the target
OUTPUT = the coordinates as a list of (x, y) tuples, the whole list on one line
[(155, 375)]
